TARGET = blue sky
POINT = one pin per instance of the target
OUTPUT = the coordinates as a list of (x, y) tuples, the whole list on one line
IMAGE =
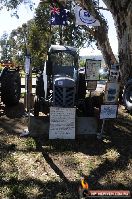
[(8, 23)]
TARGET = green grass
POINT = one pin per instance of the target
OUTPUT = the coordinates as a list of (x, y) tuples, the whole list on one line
[(54, 171)]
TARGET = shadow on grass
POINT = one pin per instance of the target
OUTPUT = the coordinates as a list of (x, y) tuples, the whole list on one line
[(5, 149), (12, 119), (103, 169), (118, 140), (50, 190), (119, 137), (19, 189), (121, 141), (16, 111)]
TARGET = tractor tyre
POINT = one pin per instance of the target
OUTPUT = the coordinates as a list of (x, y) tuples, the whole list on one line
[(81, 86), (36, 106), (89, 109), (127, 97), (10, 88)]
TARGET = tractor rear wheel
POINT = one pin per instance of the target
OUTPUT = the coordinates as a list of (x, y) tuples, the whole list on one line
[(10, 88)]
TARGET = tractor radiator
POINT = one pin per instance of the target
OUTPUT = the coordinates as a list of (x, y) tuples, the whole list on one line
[(64, 97)]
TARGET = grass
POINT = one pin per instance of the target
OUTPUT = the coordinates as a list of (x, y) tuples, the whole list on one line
[(54, 170)]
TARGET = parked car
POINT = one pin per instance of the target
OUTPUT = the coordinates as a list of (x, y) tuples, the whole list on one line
[(104, 72), (81, 70)]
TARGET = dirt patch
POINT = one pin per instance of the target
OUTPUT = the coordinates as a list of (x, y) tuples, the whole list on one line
[(39, 168)]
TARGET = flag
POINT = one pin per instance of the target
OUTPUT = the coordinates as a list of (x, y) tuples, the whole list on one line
[(58, 16), (83, 17), (27, 65)]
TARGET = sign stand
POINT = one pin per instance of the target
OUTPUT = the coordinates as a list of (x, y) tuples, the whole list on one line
[(28, 88), (62, 123), (110, 108), (100, 135)]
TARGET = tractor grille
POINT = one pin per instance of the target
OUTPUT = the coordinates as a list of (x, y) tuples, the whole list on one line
[(64, 97)]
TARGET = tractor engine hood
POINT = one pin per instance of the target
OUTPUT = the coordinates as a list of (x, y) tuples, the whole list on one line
[(64, 90), (64, 81)]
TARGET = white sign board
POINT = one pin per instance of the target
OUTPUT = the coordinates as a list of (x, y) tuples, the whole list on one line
[(112, 92), (91, 85), (62, 123), (108, 111), (114, 75), (92, 69)]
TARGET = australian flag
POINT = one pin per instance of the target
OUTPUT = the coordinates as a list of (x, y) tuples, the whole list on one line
[(58, 16)]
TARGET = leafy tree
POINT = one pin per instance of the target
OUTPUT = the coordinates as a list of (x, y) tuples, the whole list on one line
[(37, 45), (81, 63), (5, 47), (81, 36), (18, 41), (122, 14), (28, 37), (13, 4), (121, 11), (14, 46), (71, 35)]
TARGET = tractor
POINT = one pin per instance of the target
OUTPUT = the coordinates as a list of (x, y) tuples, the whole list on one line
[(60, 84), (61, 89), (10, 84)]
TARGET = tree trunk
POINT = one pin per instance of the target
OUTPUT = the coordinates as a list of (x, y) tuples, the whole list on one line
[(100, 33), (104, 45), (122, 14)]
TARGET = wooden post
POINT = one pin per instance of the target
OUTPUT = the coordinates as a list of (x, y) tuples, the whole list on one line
[(61, 34)]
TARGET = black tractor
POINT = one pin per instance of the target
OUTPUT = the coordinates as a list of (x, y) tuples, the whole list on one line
[(60, 83)]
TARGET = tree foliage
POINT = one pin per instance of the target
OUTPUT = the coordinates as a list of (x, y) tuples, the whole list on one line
[(5, 47), (71, 34), (13, 4), (80, 36), (39, 34), (15, 45)]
